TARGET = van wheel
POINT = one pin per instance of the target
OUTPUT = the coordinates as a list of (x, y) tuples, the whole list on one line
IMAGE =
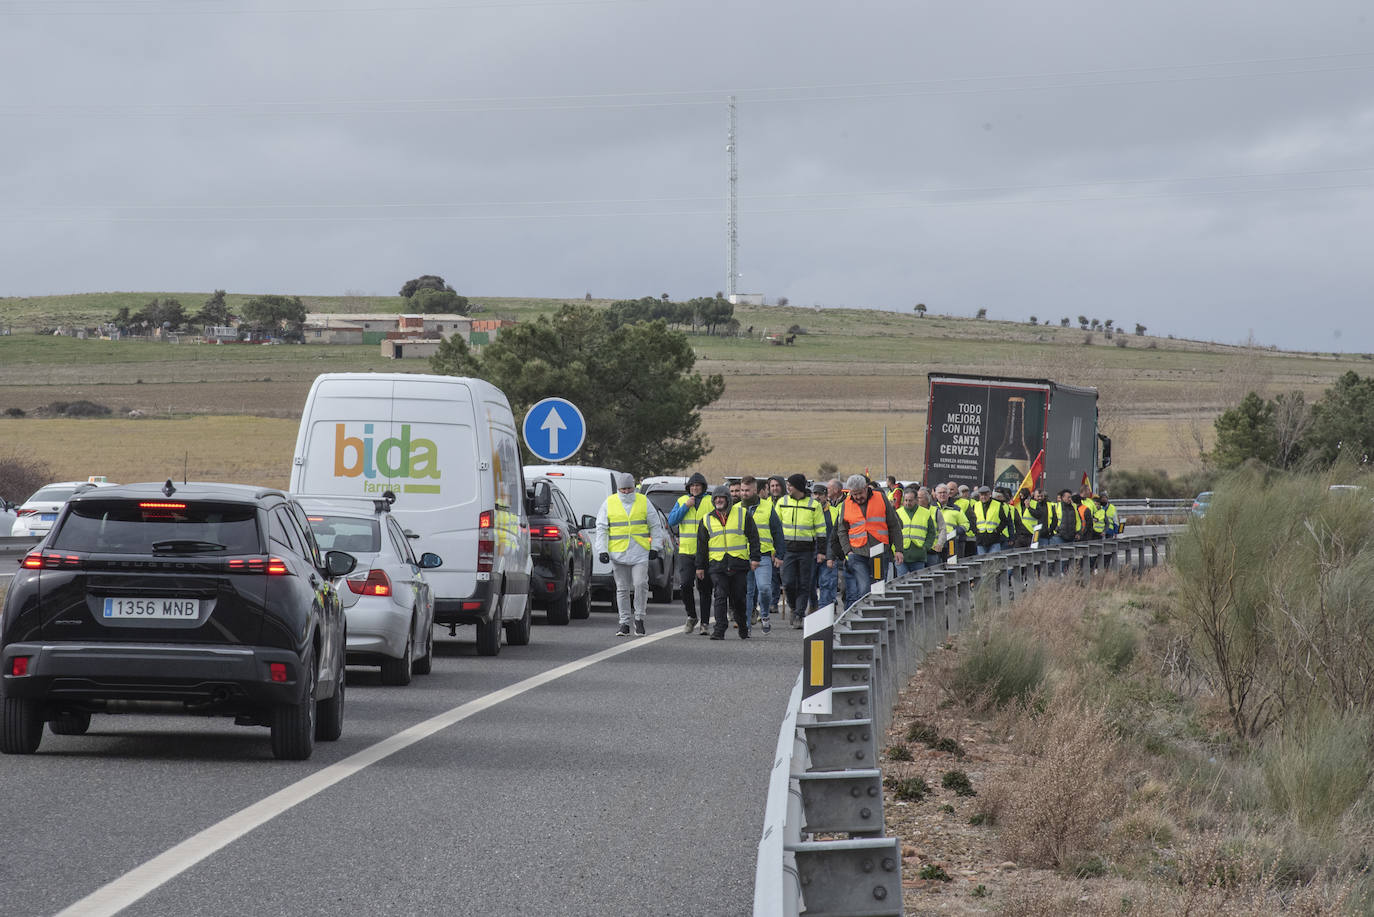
[(21, 726), (70, 724), (293, 725), (488, 638), (518, 632), (397, 671)]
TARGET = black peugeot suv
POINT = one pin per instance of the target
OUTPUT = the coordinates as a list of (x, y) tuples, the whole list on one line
[(198, 599)]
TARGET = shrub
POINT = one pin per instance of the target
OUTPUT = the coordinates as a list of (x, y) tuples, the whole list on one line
[(898, 753), (14, 412), (1114, 645), (1317, 770), (1008, 665), (910, 789), (920, 731), (78, 409), (936, 872), (958, 782), (20, 478), (949, 746)]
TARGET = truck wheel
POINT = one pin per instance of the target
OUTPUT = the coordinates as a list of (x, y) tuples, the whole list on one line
[(518, 632), (70, 724), (329, 714), (293, 725), (21, 726), (397, 671)]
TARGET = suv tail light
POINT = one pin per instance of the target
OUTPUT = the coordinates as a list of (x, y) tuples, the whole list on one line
[(486, 541), (19, 666), (548, 532), (51, 560), (271, 566), (373, 582)]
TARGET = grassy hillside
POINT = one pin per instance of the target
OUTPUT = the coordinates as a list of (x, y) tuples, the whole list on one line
[(851, 375)]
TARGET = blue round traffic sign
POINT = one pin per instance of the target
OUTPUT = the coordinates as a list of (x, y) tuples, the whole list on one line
[(554, 430)]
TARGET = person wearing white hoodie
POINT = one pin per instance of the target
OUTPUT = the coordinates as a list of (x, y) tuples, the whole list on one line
[(629, 534)]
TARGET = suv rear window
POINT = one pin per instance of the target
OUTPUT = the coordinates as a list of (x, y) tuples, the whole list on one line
[(159, 527), (346, 533)]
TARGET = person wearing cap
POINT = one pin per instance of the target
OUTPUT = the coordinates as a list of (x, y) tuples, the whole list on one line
[(822, 590), (866, 520), (951, 525), (804, 533), (989, 521), (686, 516), (627, 537), (762, 585), (727, 550), (919, 529)]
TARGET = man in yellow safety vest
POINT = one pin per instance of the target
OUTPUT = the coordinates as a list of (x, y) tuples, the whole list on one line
[(629, 535), (686, 516), (727, 552)]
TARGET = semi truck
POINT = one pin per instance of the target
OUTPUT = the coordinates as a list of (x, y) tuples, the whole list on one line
[(984, 430)]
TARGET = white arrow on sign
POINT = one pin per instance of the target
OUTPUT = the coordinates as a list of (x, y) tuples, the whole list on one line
[(553, 423)]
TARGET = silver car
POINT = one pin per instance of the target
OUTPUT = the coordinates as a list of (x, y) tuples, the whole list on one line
[(35, 516), (387, 603)]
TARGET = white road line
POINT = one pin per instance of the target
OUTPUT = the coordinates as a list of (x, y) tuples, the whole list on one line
[(142, 880)]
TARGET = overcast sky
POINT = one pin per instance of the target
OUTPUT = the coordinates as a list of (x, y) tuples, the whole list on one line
[(1205, 169)]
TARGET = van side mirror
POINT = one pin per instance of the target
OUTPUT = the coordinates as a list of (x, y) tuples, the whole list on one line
[(430, 560), (588, 522), (339, 563)]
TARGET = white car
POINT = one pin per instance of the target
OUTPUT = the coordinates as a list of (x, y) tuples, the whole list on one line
[(37, 514), (387, 603)]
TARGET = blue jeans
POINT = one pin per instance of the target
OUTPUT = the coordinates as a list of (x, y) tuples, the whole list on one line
[(911, 567), (760, 588), (989, 548), (858, 576), (827, 583)]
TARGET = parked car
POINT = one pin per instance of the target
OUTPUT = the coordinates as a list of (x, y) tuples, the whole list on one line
[(663, 491), (586, 488), (448, 445), (203, 599), (8, 516), (387, 602), (561, 548), (1200, 503), (663, 571), (35, 516)]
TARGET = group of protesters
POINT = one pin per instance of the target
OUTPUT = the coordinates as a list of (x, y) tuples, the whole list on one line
[(757, 549)]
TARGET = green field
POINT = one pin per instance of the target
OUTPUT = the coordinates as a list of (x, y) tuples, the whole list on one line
[(827, 398)]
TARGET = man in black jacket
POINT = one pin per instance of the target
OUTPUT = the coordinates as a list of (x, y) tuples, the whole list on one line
[(727, 551)]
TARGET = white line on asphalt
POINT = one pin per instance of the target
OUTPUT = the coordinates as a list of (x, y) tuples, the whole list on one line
[(142, 880)]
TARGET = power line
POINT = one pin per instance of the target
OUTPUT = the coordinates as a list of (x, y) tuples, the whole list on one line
[(180, 9), (714, 213), (759, 196)]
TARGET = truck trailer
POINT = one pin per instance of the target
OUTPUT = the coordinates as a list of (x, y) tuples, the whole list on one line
[(982, 430)]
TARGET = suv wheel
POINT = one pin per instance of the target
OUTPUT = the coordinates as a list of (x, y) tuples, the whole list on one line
[(70, 724), (582, 607), (518, 632), (397, 671), (664, 595), (424, 664), (329, 714), (293, 725), (558, 607), (21, 726)]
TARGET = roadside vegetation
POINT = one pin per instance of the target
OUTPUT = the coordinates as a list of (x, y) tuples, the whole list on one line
[(1193, 741)]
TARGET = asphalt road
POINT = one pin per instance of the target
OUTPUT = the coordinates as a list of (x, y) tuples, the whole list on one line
[(632, 785)]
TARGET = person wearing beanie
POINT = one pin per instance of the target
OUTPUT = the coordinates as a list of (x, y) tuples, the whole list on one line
[(685, 518), (866, 520), (823, 577), (727, 552), (804, 533), (762, 585), (628, 535)]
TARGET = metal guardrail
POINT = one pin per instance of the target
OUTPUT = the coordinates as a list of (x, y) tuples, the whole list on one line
[(825, 778), (12, 546)]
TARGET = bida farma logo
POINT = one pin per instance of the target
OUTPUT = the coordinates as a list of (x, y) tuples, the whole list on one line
[(394, 457)]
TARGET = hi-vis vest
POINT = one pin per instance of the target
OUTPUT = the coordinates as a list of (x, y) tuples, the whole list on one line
[(761, 515), (687, 526), (621, 527), (964, 503), (867, 523), (802, 520), (1112, 526), (727, 537), (1089, 510), (1028, 520), (918, 527), (987, 517), (954, 519)]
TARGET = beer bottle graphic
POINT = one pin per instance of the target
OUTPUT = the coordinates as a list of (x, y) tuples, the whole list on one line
[(1012, 459)]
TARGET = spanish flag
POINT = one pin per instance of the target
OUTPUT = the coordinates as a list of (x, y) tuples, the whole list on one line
[(1087, 481), (1037, 469)]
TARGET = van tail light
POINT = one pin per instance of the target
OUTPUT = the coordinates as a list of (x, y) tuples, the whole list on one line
[(51, 560), (486, 541), (546, 532), (373, 582), (271, 566)]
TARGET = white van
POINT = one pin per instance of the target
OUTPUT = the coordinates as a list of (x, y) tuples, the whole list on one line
[(586, 489), (446, 447)]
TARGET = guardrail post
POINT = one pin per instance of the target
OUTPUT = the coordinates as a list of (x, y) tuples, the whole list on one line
[(861, 877)]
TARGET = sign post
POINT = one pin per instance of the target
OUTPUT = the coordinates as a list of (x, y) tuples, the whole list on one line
[(818, 660), (554, 430)]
